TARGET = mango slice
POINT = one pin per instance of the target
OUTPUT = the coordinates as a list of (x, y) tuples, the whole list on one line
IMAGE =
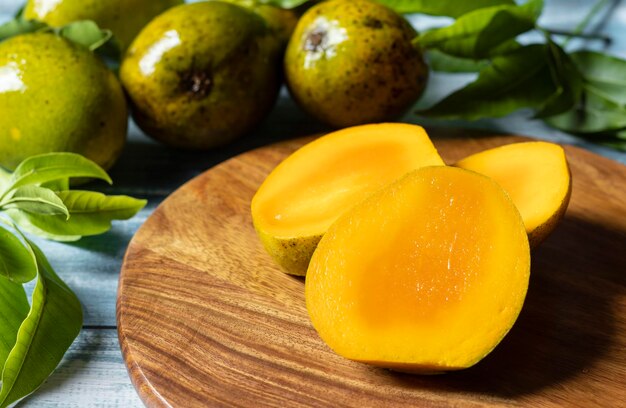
[(310, 189), (426, 275), (536, 176)]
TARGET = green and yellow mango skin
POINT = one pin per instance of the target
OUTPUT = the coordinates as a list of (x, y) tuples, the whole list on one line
[(281, 22), (351, 62), (291, 254), (58, 96), (125, 18), (202, 74)]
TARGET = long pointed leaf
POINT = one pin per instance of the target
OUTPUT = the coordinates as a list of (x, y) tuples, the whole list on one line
[(16, 262), (603, 73), (13, 310), (513, 81), (596, 114), (37, 200), (48, 167), (476, 34), (451, 8), (5, 177), (91, 213), (53, 322), (567, 78)]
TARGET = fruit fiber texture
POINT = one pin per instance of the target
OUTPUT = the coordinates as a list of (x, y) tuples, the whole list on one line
[(125, 18), (351, 62), (202, 74), (536, 176), (426, 275), (58, 96), (310, 189)]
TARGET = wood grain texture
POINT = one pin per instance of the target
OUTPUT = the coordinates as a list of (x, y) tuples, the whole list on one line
[(206, 319)]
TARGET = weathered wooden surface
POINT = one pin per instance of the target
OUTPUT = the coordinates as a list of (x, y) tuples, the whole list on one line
[(206, 318), (93, 373)]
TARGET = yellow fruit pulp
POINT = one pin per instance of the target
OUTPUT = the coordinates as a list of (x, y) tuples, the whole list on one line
[(306, 193), (536, 176), (426, 275)]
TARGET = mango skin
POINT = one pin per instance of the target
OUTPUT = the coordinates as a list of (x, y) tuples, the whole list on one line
[(202, 74), (58, 96), (539, 234), (281, 22), (125, 18), (351, 62), (291, 254)]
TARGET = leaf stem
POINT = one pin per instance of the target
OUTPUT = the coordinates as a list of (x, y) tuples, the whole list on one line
[(585, 21), (571, 34)]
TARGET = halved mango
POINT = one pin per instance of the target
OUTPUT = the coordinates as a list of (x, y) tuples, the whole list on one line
[(310, 189), (536, 176), (426, 275)]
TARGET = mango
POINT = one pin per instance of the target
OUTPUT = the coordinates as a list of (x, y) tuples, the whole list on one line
[(310, 189), (426, 275), (536, 176)]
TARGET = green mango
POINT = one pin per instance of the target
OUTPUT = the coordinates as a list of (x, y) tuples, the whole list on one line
[(202, 74), (125, 18), (58, 96), (280, 21), (351, 62)]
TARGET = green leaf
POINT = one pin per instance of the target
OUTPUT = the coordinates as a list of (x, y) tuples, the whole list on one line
[(601, 110), (86, 33), (24, 220), (286, 4), (594, 114), (13, 310), (53, 322), (57, 185), (568, 80), (451, 8), (91, 213), (513, 81), (5, 177), (19, 26), (36, 200), (476, 34), (49, 167), (604, 73), (16, 263), (442, 62), (19, 14)]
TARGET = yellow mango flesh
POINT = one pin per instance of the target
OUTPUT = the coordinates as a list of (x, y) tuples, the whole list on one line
[(536, 176), (310, 189), (426, 275)]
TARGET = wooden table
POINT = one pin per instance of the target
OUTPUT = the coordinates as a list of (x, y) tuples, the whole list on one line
[(92, 373)]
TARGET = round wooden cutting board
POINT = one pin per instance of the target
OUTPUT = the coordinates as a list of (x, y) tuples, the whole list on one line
[(206, 319)]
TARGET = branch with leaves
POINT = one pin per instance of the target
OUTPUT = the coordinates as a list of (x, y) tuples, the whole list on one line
[(37, 198)]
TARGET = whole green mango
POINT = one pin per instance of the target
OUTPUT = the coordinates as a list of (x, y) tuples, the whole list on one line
[(351, 62), (202, 74), (58, 96), (125, 18)]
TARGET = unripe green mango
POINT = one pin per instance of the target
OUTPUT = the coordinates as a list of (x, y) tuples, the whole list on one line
[(202, 74), (125, 18), (58, 96)]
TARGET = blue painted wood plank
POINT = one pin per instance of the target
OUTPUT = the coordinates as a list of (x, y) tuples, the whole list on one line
[(91, 374)]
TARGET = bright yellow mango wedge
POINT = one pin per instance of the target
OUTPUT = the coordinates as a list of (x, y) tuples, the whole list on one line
[(310, 189), (426, 275), (536, 176)]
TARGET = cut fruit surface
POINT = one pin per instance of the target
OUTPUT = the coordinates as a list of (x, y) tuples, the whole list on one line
[(536, 176), (428, 274), (310, 189)]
